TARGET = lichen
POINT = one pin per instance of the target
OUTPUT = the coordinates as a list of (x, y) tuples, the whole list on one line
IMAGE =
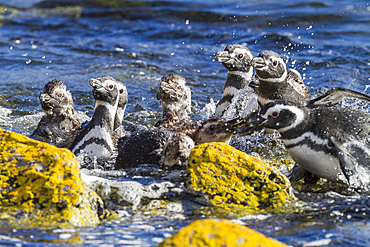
[(218, 232), (229, 178), (40, 185)]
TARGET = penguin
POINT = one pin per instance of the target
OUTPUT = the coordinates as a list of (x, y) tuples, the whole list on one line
[(216, 130), (175, 99), (122, 103), (177, 148), (330, 142), (60, 125), (95, 140), (274, 84), (236, 59)]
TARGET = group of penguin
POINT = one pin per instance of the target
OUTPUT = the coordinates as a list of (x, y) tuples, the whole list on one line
[(327, 140)]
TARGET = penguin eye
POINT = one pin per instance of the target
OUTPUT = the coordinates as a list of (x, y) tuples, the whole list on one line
[(110, 86), (212, 128), (274, 62), (240, 55), (59, 95), (274, 114), (179, 87), (121, 91)]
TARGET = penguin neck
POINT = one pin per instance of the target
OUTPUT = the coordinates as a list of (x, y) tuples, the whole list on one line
[(238, 79), (269, 90), (119, 116), (104, 114)]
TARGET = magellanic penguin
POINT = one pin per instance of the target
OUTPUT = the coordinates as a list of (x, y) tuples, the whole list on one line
[(237, 60), (177, 149), (96, 139), (122, 103), (145, 147), (175, 98), (330, 142), (275, 83), (59, 126)]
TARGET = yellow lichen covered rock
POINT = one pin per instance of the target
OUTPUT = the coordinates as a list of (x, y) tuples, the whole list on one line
[(40, 186), (216, 232), (230, 178)]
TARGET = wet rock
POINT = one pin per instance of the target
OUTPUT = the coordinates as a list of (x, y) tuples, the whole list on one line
[(40, 186), (130, 192), (218, 232), (229, 178)]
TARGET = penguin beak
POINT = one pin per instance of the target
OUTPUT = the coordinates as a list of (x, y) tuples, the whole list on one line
[(250, 125), (45, 98), (234, 124), (258, 63), (95, 83), (222, 56)]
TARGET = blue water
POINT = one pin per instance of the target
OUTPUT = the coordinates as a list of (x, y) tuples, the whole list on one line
[(138, 42)]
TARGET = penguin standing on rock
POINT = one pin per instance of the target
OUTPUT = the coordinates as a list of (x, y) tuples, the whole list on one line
[(60, 125), (96, 139), (330, 142)]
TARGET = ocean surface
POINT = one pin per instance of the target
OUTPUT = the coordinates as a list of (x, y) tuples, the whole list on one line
[(137, 42)]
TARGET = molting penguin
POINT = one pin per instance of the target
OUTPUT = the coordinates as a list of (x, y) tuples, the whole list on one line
[(177, 149), (330, 142), (60, 125), (145, 147), (275, 82), (96, 139), (236, 59), (175, 99)]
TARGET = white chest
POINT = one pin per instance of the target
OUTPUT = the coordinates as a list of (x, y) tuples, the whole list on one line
[(318, 162)]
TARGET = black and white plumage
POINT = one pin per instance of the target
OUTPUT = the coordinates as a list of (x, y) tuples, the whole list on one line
[(236, 59), (273, 82), (276, 82), (95, 140), (60, 125), (122, 103), (330, 142)]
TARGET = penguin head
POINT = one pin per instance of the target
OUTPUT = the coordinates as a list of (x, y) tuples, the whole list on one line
[(216, 130), (105, 89), (122, 103), (235, 58), (281, 115), (270, 66), (123, 96), (175, 97), (56, 100)]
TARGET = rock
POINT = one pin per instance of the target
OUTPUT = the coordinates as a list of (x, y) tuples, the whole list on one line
[(218, 232), (229, 178), (40, 186), (130, 192)]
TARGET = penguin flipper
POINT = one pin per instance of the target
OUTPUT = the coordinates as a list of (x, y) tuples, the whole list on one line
[(334, 95), (356, 168)]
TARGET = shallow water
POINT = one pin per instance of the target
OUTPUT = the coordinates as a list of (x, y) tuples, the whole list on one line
[(138, 42)]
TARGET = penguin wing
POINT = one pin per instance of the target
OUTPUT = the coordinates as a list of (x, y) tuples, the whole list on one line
[(354, 159), (334, 95)]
